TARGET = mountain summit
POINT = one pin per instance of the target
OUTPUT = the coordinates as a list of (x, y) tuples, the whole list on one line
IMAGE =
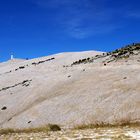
[(71, 89)]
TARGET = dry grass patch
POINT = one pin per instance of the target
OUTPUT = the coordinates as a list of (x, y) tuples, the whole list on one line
[(104, 125), (50, 127)]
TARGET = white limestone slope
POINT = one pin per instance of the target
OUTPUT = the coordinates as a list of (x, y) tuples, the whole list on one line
[(51, 92)]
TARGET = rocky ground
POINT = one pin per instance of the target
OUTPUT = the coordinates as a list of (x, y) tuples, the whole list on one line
[(118, 133), (71, 89)]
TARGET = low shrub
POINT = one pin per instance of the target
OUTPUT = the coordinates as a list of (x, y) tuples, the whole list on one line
[(54, 127), (4, 108)]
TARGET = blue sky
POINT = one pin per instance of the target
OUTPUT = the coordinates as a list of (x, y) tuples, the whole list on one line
[(34, 28)]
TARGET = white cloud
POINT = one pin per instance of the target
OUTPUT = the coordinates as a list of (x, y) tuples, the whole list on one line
[(83, 18)]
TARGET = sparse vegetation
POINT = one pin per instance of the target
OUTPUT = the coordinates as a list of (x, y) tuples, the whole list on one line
[(123, 123), (65, 66), (40, 62), (85, 60), (50, 127), (34, 63), (24, 83), (21, 67), (122, 53)]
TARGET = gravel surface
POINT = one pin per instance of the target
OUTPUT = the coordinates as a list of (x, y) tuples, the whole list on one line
[(119, 133)]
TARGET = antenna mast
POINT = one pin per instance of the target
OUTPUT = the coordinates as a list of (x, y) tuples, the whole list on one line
[(12, 57)]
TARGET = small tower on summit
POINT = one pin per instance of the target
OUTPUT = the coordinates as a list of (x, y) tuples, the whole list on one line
[(12, 56)]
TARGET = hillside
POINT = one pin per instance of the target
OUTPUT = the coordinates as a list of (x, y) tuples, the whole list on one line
[(71, 89)]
